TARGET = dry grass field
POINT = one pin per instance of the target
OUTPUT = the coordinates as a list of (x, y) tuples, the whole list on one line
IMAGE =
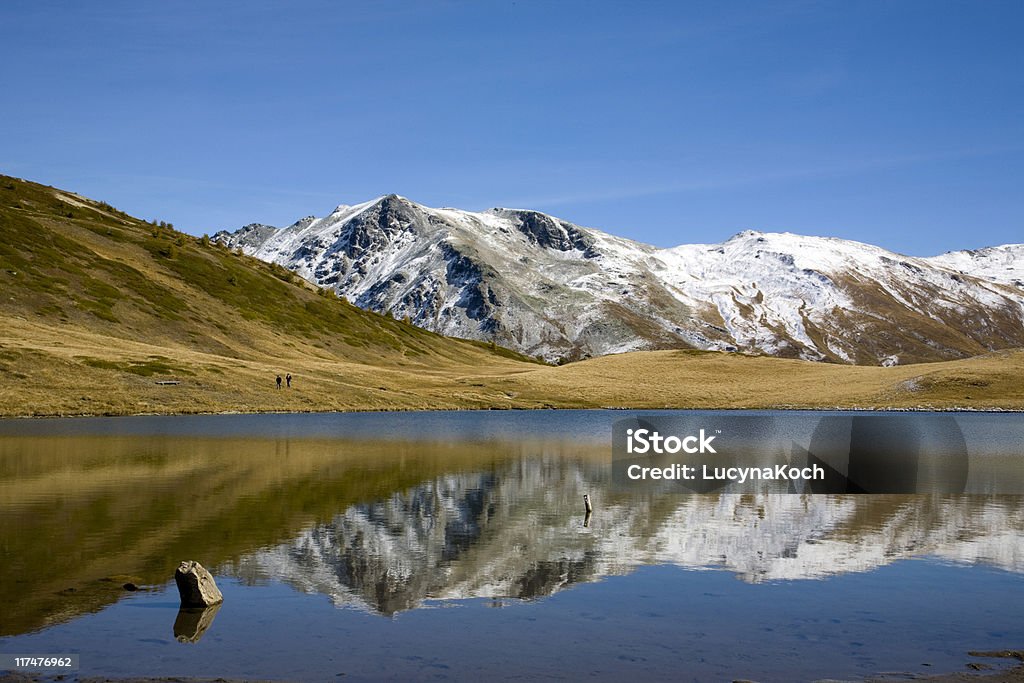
[(694, 379), (67, 371)]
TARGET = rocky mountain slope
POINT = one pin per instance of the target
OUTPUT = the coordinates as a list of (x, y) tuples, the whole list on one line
[(544, 286)]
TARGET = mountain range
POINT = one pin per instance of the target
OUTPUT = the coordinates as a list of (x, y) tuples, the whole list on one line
[(547, 287), (104, 313)]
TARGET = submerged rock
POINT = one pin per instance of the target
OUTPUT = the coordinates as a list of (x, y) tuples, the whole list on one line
[(196, 585)]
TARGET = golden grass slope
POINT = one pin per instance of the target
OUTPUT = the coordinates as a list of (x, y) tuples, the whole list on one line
[(50, 371)]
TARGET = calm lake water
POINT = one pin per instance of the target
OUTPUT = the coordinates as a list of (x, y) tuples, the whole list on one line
[(454, 545)]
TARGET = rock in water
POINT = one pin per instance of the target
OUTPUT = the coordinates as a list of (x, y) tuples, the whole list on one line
[(196, 585)]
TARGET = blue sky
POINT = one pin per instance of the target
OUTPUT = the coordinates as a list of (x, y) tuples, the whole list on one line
[(898, 123)]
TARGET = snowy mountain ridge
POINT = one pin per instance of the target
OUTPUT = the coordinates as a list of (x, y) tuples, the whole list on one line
[(544, 286)]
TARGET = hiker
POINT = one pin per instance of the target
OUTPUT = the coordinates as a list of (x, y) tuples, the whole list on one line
[(279, 381), (288, 378)]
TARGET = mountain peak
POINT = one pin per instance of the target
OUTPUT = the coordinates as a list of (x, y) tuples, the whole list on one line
[(543, 285), (748, 234)]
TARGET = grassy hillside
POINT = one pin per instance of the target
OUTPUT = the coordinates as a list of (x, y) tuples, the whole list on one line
[(98, 306), (100, 311)]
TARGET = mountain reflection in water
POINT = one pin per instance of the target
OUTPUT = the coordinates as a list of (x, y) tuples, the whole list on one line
[(516, 531), (388, 512)]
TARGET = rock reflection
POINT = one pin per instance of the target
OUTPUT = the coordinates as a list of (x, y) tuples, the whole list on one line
[(193, 622), (514, 532)]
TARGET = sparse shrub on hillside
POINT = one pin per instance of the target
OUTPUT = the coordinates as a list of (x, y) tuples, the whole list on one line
[(154, 365), (281, 273)]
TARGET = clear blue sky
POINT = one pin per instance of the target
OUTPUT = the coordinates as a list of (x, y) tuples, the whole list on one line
[(899, 123)]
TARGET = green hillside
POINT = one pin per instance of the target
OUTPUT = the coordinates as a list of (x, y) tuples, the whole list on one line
[(69, 260)]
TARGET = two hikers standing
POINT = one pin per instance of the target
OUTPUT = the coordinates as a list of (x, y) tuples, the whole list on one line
[(288, 379)]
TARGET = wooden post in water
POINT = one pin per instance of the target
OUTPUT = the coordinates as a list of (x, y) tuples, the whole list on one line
[(586, 504)]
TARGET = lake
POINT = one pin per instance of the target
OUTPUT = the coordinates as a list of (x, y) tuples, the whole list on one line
[(456, 545)]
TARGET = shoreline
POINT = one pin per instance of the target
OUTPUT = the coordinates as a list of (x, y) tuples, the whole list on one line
[(978, 672), (784, 409)]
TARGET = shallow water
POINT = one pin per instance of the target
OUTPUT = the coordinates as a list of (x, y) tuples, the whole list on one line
[(455, 545)]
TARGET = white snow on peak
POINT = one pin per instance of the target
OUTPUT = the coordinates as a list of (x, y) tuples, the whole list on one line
[(543, 285), (1003, 264)]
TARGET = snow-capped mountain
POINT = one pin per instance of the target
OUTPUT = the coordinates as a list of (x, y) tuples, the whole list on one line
[(547, 287)]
